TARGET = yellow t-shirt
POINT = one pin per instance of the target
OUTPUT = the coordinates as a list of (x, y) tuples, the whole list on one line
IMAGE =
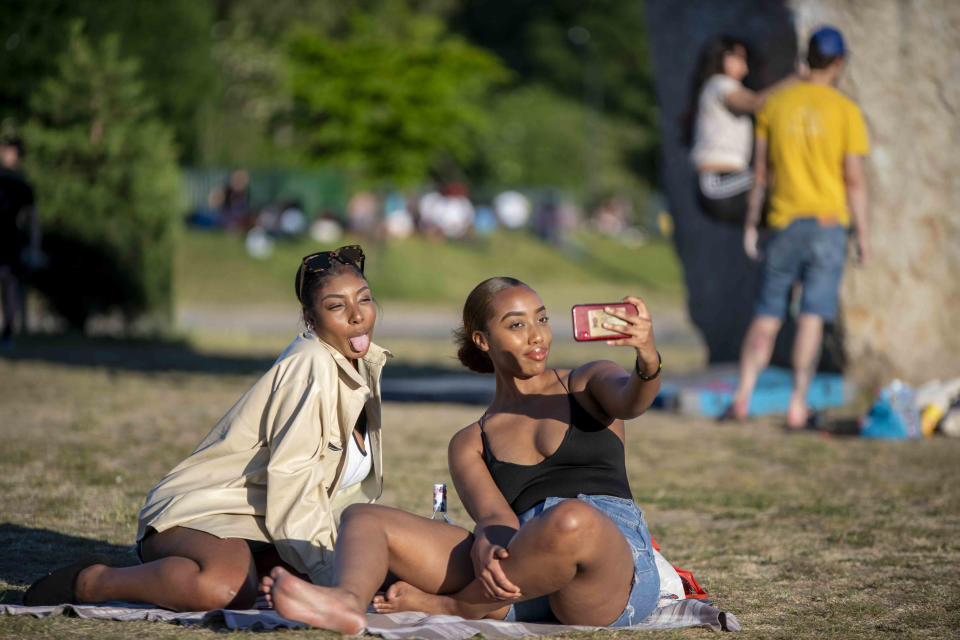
[(809, 128)]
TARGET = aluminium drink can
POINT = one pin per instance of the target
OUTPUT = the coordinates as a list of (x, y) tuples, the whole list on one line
[(440, 503), (440, 498)]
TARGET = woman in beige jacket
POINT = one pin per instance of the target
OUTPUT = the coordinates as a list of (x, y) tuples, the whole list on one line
[(267, 485)]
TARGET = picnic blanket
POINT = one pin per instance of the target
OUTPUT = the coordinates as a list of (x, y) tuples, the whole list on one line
[(393, 626)]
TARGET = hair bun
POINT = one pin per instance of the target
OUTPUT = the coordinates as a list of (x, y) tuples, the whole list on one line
[(470, 355)]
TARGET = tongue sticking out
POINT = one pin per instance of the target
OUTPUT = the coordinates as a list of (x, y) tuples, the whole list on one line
[(360, 343)]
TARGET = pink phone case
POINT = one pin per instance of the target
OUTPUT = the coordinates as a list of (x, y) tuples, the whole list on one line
[(588, 318)]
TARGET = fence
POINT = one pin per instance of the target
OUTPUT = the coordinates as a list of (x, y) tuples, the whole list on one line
[(314, 191)]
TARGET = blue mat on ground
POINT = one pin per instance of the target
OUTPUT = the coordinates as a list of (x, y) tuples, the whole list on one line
[(709, 392)]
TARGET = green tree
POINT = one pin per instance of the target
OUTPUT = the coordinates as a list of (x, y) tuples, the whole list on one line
[(107, 183), (392, 98), (595, 53), (172, 40), (536, 126), (243, 122), (247, 120)]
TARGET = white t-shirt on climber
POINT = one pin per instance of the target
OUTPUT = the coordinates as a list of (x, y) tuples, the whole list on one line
[(721, 137)]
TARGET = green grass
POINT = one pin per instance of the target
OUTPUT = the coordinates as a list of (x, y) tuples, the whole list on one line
[(216, 278), (214, 269), (800, 536)]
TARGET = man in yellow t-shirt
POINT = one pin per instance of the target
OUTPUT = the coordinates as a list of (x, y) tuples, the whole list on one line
[(809, 140)]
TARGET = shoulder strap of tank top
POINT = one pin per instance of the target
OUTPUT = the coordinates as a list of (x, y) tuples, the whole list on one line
[(560, 380), (487, 455)]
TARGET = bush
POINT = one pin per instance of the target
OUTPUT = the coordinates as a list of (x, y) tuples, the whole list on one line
[(537, 126), (107, 184)]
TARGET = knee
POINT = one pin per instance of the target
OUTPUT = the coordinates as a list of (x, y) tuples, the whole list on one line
[(763, 333), (225, 592), (569, 524), (359, 513)]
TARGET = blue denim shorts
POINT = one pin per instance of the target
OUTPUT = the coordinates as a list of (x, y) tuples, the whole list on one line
[(809, 253), (645, 592)]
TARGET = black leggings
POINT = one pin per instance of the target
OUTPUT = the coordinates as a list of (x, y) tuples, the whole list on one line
[(723, 196)]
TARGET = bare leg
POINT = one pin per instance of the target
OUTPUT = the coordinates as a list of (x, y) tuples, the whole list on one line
[(572, 552), (22, 307), (10, 299), (185, 570), (754, 357), (806, 350), (433, 556)]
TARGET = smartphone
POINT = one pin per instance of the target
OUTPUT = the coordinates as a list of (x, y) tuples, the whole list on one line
[(588, 320)]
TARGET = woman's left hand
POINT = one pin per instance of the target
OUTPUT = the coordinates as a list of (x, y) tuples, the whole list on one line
[(639, 333)]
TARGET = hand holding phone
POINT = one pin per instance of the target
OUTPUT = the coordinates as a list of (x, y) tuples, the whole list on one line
[(588, 320)]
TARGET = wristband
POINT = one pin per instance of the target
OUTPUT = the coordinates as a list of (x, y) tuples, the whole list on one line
[(644, 377)]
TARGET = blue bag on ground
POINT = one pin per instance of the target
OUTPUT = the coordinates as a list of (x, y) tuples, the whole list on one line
[(894, 415)]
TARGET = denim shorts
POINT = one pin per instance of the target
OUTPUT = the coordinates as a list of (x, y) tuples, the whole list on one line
[(645, 592), (809, 253)]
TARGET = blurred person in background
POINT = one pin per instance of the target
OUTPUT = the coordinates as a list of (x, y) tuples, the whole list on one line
[(457, 211), (267, 485), (209, 216), (448, 213), (611, 216), (326, 229), (558, 536), (236, 201), (362, 213), (19, 237), (430, 206), (292, 221), (485, 220), (398, 222), (718, 127), (554, 219), (512, 208), (546, 218), (810, 141)]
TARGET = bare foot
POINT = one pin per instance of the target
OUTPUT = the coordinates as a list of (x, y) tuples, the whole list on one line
[(739, 409), (266, 584), (401, 596), (322, 607), (797, 414)]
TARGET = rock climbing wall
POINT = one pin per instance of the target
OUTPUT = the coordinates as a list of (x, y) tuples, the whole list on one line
[(720, 280), (901, 315)]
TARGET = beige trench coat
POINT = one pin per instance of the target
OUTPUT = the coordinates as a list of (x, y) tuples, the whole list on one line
[(271, 467)]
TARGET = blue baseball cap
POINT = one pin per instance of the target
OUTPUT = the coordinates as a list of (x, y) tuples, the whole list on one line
[(828, 42)]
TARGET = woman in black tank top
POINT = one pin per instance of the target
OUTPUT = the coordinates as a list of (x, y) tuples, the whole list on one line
[(542, 473)]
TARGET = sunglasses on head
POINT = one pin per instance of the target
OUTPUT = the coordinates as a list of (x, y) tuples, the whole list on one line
[(351, 254)]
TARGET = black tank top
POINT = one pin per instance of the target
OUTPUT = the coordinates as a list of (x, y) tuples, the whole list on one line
[(589, 460)]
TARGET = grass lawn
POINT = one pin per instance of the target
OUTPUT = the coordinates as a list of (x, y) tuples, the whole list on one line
[(230, 303), (213, 269), (800, 536)]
